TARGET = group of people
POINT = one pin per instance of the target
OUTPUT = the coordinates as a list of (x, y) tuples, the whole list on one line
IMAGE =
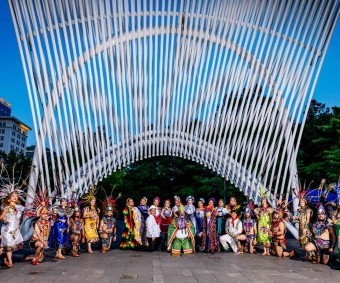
[(60, 226), (181, 228)]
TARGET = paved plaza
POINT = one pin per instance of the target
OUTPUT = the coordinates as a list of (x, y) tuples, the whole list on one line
[(133, 266)]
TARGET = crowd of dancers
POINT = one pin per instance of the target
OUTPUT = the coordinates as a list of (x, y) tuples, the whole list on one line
[(180, 228)]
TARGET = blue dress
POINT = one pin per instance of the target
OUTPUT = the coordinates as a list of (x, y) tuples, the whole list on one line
[(199, 214), (60, 234)]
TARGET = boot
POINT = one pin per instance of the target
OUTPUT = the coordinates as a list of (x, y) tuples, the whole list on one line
[(75, 248), (315, 257)]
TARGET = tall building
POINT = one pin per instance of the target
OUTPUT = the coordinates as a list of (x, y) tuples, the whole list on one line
[(13, 132)]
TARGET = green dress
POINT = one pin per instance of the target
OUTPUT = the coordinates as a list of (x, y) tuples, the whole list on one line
[(263, 225)]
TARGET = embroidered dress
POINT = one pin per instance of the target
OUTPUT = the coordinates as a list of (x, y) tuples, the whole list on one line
[(91, 218), (264, 224), (131, 235), (209, 239), (12, 239)]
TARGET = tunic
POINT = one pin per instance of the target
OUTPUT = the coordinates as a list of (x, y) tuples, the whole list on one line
[(263, 225)]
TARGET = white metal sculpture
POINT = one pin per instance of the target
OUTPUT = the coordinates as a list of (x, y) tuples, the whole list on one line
[(223, 83)]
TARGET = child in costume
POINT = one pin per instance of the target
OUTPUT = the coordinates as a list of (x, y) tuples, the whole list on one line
[(250, 231)]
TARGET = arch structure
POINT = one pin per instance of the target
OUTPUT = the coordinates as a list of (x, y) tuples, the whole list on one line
[(224, 83)]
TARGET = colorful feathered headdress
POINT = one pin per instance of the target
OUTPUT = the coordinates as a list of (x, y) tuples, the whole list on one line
[(8, 185), (90, 195)]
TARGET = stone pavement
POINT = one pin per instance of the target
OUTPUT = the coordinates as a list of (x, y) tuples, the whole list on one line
[(133, 266)]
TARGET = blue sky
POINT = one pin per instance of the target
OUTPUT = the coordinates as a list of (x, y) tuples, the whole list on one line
[(13, 87)]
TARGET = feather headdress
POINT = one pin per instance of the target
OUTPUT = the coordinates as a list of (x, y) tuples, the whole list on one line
[(264, 192), (109, 202), (90, 195), (9, 185)]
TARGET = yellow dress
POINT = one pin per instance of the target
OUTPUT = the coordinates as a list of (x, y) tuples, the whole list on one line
[(91, 216)]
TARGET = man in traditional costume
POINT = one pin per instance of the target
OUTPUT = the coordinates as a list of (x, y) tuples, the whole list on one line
[(91, 219), (143, 214), (323, 239), (181, 234), (131, 234), (208, 235), (152, 229), (233, 229), (11, 214), (77, 232), (107, 226)]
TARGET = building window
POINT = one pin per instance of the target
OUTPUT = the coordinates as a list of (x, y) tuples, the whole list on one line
[(1, 144), (13, 134), (1, 138)]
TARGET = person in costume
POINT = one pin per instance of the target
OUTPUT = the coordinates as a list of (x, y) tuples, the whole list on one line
[(211, 203), (166, 218), (41, 229), (209, 240), (77, 232), (263, 214), (336, 222), (233, 229), (323, 238), (278, 233), (175, 208), (181, 234), (156, 202), (200, 214), (143, 214), (221, 213), (233, 205), (107, 226), (40, 237), (304, 215), (250, 231), (131, 235), (11, 215), (91, 219), (190, 211), (60, 234), (152, 229)]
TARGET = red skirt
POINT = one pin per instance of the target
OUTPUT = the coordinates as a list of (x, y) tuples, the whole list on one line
[(165, 224)]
